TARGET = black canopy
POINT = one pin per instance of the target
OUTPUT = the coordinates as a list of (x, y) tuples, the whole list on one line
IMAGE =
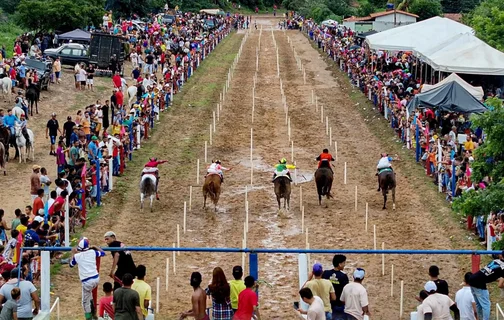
[(76, 35), (451, 97), (363, 35)]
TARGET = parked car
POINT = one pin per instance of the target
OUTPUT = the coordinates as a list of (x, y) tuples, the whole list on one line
[(167, 19), (209, 24), (43, 69), (69, 54)]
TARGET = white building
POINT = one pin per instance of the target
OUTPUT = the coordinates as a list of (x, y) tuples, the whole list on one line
[(380, 21)]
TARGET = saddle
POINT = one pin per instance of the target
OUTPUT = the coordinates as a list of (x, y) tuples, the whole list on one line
[(380, 171)]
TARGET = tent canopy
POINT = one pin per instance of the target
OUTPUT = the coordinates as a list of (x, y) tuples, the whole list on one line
[(464, 53), (364, 35), (477, 92), (450, 97), (330, 23), (421, 35), (76, 35)]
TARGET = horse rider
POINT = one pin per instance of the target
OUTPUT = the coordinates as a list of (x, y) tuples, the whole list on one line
[(21, 103), (22, 123), (217, 168), (153, 163), (282, 169), (324, 156), (384, 163), (9, 121)]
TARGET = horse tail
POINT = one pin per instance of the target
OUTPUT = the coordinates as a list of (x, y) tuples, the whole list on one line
[(282, 187), (148, 186), (211, 189)]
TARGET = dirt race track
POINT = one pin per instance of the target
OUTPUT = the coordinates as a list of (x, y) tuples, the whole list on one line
[(180, 140)]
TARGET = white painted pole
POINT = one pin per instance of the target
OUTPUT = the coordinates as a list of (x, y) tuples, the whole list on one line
[(344, 174), (336, 150), (218, 113), (167, 275), (251, 156), (313, 96), (303, 275), (45, 280), (383, 259), (355, 198), (185, 217), (247, 215), (316, 104), (392, 281), (289, 128), (330, 136), (401, 301), (178, 239), (374, 237), (292, 151), (197, 172), (174, 263), (321, 114), (213, 116), (300, 197), (327, 126), (157, 295), (206, 151), (110, 172), (367, 208), (190, 198), (67, 221), (210, 134), (302, 218), (304, 75)]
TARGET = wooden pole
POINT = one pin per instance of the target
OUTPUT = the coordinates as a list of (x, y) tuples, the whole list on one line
[(247, 215), (206, 151), (190, 198), (289, 128), (185, 217), (374, 237), (392, 281), (327, 126), (302, 218), (383, 259), (157, 295), (316, 104), (344, 174), (167, 275), (355, 198), (367, 207), (251, 158), (321, 114), (197, 172), (253, 103), (213, 115), (210, 134), (178, 239), (218, 113), (300, 197), (292, 151), (401, 301)]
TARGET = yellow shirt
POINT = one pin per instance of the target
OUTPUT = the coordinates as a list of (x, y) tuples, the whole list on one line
[(469, 145), (236, 286), (144, 293), (323, 289)]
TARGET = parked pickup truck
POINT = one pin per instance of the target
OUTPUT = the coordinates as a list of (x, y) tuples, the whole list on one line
[(69, 54)]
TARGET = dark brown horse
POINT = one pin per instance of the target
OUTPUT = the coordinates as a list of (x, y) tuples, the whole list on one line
[(387, 181), (5, 137), (324, 180), (283, 190), (212, 189), (3, 158)]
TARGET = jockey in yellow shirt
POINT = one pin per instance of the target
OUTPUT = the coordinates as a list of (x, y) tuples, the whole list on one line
[(282, 169)]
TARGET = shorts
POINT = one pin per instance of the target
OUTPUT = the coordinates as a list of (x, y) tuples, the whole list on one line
[(94, 192), (13, 83), (89, 81), (53, 140), (57, 74), (83, 83)]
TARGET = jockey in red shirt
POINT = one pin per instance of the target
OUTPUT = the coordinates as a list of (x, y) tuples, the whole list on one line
[(324, 156), (153, 163)]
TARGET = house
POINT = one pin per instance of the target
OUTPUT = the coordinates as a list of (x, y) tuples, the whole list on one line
[(380, 21)]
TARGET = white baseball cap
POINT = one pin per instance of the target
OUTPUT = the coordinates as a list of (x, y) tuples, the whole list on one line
[(430, 286), (359, 274)]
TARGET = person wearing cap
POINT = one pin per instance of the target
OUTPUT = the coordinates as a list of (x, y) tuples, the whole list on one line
[(355, 297), (216, 168), (384, 163), (339, 280), (52, 130), (153, 163), (478, 281), (122, 260), (93, 148), (438, 306), (237, 285), (322, 288), (198, 300), (316, 306), (84, 256), (35, 184)]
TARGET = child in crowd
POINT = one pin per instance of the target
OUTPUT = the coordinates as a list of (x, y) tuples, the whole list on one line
[(105, 304), (237, 285)]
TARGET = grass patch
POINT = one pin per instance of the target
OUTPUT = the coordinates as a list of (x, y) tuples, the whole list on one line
[(8, 34)]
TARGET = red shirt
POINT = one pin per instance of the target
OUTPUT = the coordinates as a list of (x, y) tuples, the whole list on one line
[(93, 177), (119, 98), (57, 205), (106, 306), (116, 79), (325, 156), (154, 164), (247, 300), (37, 205)]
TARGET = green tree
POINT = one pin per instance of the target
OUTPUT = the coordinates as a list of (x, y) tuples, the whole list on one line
[(426, 9), (458, 6), (487, 20), (9, 6), (365, 9)]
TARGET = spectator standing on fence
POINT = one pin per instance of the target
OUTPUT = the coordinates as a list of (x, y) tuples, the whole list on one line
[(220, 291), (105, 309), (28, 295), (143, 289), (121, 259), (355, 297), (198, 300), (465, 300), (442, 285), (85, 257), (126, 302), (437, 305), (247, 302), (237, 285), (316, 306), (478, 281), (322, 288)]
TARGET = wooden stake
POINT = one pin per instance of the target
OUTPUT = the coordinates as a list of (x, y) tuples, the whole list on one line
[(383, 259), (392, 281), (374, 237), (185, 217), (355, 198), (167, 275), (218, 113), (401, 301), (174, 263), (210, 134), (190, 198), (213, 115), (251, 158), (344, 174), (206, 151), (321, 114), (316, 104), (327, 126), (247, 215), (178, 239), (367, 207), (292, 151), (157, 295), (197, 172), (289, 128), (302, 218), (300, 197)]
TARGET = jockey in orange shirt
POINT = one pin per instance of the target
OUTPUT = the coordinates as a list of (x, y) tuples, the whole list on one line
[(325, 156), (153, 163)]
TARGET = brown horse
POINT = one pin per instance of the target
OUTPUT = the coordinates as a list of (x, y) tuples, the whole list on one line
[(5, 137), (3, 158), (212, 188), (324, 180), (283, 190), (387, 181)]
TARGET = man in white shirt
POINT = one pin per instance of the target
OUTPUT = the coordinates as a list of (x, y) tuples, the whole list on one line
[(437, 306), (465, 300), (316, 306), (355, 297)]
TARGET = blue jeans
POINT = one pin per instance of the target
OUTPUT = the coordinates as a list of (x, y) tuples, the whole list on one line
[(338, 313), (480, 225), (328, 316), (483, 305)]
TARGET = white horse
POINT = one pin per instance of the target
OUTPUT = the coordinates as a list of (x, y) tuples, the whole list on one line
[(6, 87), (17, 111), (25, 149), (132, 93), (148, 186)]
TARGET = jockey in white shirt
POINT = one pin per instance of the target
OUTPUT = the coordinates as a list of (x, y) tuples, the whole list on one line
[(384, 163), (216, 168)]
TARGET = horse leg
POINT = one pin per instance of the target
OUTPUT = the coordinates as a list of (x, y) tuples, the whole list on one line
[(141, 200), (204, 201), (31, 108), (151, 201), (288, 202), (36, 106), (278, 200), (384, 199), (393, 198)]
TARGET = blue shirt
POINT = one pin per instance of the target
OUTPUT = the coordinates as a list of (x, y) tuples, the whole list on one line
[(31, 235), (93, 150), (22, 71), (74, 137), (9, 120)]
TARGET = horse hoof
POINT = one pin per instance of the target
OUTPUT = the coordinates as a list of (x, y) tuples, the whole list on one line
[(393, 206)]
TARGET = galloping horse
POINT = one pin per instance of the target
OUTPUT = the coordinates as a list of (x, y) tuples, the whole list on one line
[(147, 188), (283, 190), (387, 180), (4, 140), (25, 148), (212, 188), (324, 180), (3, 158)]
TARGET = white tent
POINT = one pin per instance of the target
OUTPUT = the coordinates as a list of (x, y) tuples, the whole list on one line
[(477, 92), (421, 35), (464, 53)]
